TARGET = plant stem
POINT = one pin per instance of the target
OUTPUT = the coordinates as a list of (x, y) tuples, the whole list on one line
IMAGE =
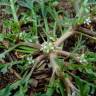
[(69, 33), (56, 70), (87, 31), (68, 54), (55, 66)]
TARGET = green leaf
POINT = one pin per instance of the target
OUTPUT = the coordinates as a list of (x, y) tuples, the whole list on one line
[(50, 89), (5, 91), (4, 69), (1, 37), (60, 62), (25, 49), (21, 92), (61, 87), (26, 3), (90, 57), (2, 56)]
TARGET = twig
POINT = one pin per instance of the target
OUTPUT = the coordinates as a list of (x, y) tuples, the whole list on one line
[(87, 31)]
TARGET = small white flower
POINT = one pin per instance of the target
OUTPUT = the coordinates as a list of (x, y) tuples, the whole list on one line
[(30, 60), (21, 34), (52, 38), (47, 47), (47, 51), (75, 93), (30, 40), (82, 59), (87, 21), (52, 48)]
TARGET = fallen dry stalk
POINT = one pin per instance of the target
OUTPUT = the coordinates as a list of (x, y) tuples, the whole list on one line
[(87, 31)]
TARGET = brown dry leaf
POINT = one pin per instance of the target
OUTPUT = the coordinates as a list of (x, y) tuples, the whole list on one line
[(5, 43), (19, 55)]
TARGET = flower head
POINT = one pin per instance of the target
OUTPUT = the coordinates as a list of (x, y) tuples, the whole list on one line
[(87, 21), (47, 47), (82, 59), (30, 60)]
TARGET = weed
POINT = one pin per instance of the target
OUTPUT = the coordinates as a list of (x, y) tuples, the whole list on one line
[(31, 48)]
